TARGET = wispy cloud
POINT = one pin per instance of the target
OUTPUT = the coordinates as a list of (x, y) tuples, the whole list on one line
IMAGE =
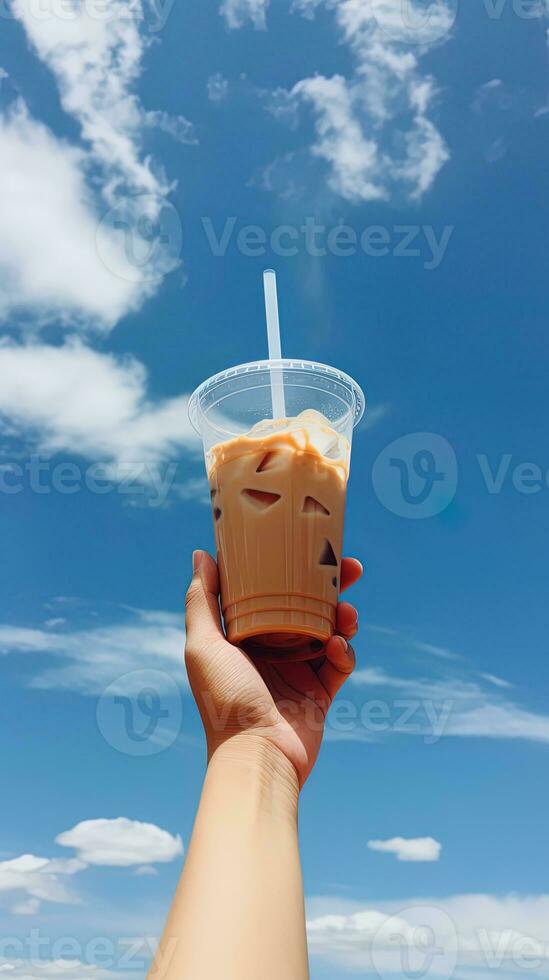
[(471, 710), (238, 12), (374, 415), (404, 641), (373, 129), (496, 681), (500, 111), (89, 660), (217, 87), (447, 697), (488, 92)]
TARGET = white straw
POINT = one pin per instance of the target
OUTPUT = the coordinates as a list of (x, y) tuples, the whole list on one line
[(275, 349)]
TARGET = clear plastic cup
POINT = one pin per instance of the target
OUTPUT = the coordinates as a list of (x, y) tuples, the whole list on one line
[(278, 491)]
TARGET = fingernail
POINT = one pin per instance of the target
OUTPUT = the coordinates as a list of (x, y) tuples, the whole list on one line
[(197, 560), (343, 644)]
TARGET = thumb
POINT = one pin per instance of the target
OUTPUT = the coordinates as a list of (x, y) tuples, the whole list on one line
[(203, 618)]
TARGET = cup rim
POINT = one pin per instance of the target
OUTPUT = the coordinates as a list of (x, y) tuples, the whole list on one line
[(288, 364)]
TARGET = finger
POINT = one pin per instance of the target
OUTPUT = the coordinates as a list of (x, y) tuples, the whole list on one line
[(203, 617), (351, 571), (339, 664), (346, 620)]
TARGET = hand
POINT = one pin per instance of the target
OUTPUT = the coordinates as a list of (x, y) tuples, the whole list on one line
[(283, 703)]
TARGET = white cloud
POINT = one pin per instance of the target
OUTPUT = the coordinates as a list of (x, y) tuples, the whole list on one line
[(373, 129), (121, 842), (29, 907), (145, 871), (27, 880), (68, 260), (92, 659), (179, 127), (32, 880), (408, 849), (426, 154), (237, 12), (73, 399), (96, 61), (217, 87), (49, 263), (484, 934), (355, 163)]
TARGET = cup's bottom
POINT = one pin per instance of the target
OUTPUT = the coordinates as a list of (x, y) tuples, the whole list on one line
[(293, 627), (276, 647)]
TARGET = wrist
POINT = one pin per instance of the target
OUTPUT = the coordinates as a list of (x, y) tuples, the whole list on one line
[(269, 774)]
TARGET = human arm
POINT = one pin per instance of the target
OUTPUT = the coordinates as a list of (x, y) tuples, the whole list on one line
[(238, 913)]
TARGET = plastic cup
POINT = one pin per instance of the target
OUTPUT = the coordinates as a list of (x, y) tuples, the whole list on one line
[(278, 490)]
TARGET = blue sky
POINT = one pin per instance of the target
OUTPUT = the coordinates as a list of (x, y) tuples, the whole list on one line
[(128, 147)]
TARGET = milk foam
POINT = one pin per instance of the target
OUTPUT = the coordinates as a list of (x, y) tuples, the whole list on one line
[(309, 429)]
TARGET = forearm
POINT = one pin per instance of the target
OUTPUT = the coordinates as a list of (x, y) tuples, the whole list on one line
[(238, 912)]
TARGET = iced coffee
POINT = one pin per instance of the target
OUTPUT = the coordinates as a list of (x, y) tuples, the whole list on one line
[(278, 501), (278, 481)]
